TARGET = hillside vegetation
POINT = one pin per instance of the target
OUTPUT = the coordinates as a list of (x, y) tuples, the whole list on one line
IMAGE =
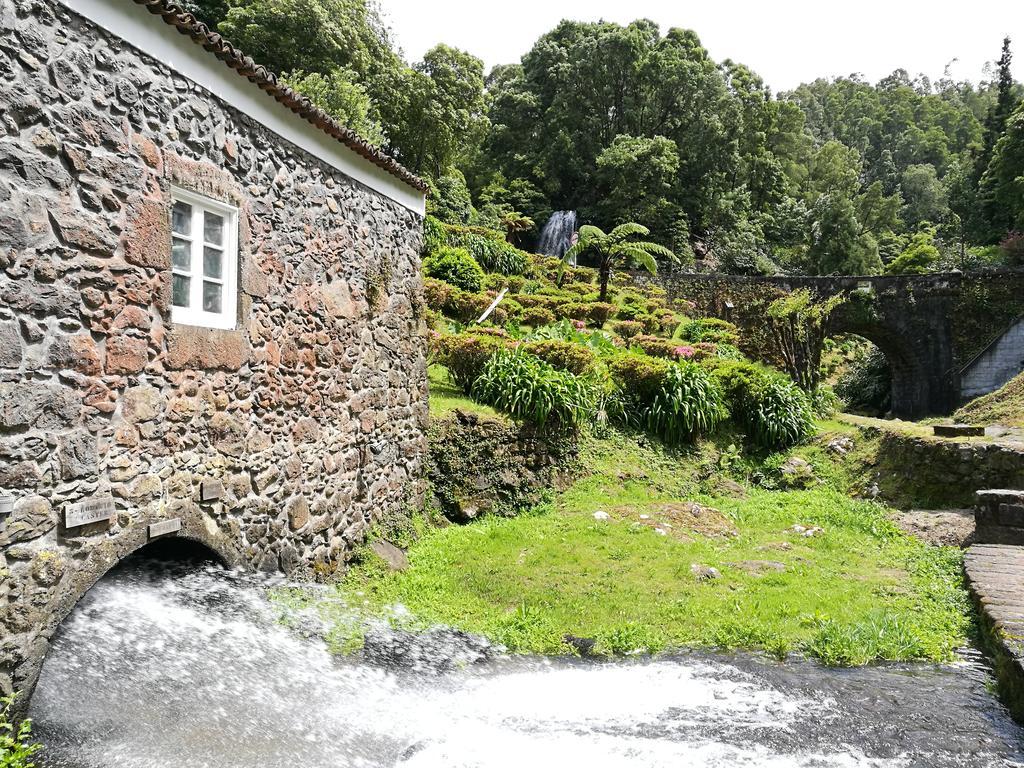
[(1005, 406)]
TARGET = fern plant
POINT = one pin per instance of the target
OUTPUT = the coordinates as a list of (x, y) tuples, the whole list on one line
[(615, 248)]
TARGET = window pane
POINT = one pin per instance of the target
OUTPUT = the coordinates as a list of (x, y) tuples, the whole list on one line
[(181, 254), (181, 218), (211, 297), (212, 262), (179, 290), (213, 228)]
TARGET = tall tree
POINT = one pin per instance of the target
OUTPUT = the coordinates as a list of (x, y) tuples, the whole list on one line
[(988, 219), (436, 107), (1004, 180)]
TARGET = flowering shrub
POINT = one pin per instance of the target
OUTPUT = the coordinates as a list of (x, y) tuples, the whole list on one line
[(454, 266), (464, 306), (563, 355), (437, 293), (466, 354), (627, 329), (638, 376), (667, 322), (531, 300), (595, 313), (655, 346), (537, 316)]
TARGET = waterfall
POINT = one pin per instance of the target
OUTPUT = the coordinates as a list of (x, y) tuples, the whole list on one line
[(556, 238)]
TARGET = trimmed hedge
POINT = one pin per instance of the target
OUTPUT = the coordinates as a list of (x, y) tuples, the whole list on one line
[(455, 266), (466, 354), (563, 355)]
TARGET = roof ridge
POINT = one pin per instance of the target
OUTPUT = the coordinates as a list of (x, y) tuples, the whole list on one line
[(201, 34)]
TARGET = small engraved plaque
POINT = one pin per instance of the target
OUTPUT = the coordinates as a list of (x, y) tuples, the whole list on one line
[(6, 505), (210, 490), (89, 511), (165, 527)]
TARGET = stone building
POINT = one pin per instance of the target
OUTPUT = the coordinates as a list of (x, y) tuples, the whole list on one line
[(209, 312)]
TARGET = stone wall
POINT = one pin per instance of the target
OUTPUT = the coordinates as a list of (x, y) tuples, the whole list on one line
[(999, 516), (311, 415), (918, 472), (1003, 360), (483, 465)]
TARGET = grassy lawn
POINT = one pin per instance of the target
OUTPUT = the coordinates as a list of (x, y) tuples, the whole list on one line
[(445, 397), (858, 591)]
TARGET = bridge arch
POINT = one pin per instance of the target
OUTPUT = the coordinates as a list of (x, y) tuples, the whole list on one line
[(928, 326), (922, 374), (196, 538)]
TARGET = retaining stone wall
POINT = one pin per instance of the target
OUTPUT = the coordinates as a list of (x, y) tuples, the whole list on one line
[(932, 473), (312, 414), (489, 465)]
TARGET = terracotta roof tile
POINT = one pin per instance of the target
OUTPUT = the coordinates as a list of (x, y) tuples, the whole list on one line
[(214, 42)]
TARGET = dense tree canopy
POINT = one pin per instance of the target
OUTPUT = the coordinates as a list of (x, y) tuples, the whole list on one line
[(633, 124)]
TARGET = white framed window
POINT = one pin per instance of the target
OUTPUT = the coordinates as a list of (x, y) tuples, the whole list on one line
[(204, 261)]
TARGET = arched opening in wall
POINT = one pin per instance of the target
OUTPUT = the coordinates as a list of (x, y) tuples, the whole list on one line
[(135, 633), (172, 550), (861, 374)]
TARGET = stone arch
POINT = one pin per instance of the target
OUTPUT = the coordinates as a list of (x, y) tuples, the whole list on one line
[(911, 385), (100, 559)]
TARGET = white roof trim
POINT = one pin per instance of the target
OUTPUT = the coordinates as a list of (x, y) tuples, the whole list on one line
[(149, 34)]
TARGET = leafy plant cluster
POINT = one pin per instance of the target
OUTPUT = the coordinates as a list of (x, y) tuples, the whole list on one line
[(574, 374), (529, 389), (16, 745), (454, 266)]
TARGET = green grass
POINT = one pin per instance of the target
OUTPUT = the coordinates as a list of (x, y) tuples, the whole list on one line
[(861, 591), (445, 397), (1005, 406)]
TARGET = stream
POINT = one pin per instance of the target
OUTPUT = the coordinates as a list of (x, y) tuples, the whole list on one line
[(165, 666)]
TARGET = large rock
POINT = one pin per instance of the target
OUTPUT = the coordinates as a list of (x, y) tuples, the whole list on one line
[(390, 554), (32, 518), (11, 347)]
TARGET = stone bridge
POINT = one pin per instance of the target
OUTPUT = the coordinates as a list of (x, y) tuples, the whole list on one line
[(934, 329)]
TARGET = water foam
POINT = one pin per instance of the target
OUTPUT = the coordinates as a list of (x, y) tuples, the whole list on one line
[(193, 669)]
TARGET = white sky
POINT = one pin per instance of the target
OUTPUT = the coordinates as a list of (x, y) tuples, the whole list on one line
[(786, 42)]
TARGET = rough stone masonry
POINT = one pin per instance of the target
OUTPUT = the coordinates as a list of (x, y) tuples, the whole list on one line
[(277, 444)]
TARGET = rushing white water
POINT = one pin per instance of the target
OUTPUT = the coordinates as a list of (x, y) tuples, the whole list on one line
[(556, 237), (193, 668)]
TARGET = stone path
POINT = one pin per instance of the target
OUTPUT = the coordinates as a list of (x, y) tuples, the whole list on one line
[(995, 574)]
